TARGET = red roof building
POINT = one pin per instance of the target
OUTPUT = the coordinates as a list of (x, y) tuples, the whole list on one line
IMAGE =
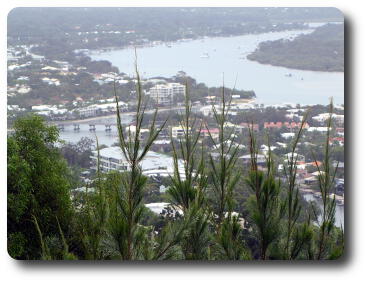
[(272, 125)]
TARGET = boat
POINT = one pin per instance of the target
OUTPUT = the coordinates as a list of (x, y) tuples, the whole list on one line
[(288, 75), (205, 55)]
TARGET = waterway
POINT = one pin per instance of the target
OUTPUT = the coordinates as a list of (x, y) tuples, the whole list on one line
[(339, 210), (210, 60)]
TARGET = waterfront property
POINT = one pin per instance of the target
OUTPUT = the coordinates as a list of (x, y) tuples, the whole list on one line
[(153, 165), (163, 94)]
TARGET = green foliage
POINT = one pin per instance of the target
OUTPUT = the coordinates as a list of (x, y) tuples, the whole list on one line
[(37, 185), (127, 208), (296, 236), (230, 245), (264, 204), (93, 219), (185, 189), (326, 44), (222, 175), (326, 178)]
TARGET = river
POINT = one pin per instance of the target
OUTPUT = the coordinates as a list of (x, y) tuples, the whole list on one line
[(339, 209), (226, 57)]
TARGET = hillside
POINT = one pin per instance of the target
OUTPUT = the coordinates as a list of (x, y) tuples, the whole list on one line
[(322, 50)]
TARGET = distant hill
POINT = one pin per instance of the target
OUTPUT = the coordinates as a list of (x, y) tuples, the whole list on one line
[(322, 50)]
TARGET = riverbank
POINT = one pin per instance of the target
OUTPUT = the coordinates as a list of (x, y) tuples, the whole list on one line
[(169, 43), (225, 62), (326, 43), (111, 116)]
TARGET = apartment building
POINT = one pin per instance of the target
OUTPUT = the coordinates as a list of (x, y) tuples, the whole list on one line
[(163, 94), (154, 163)]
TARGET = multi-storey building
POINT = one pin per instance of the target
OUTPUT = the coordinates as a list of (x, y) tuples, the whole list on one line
[(163, 94), (153, 164), (178, 132)]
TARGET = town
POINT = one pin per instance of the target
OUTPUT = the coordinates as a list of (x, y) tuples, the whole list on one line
[(109, 162), (29, 71)]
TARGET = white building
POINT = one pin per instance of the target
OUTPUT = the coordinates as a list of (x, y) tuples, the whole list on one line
[(111, 107), (24, 89), (324, 117), (158, 207), (296, 156), (153, 164), (51, 81), (178, 132), (247, 158), (49, 110), (317, 129), (43, 107), (207, 110), (132, 130), (90, 111), (163, 94), (287, 135)]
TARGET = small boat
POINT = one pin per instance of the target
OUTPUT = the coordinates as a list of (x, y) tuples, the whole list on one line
[(205, 55), (288, 75)]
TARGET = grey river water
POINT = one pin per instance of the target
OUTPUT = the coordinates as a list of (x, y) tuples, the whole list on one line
[(339, 210), (227, 55)]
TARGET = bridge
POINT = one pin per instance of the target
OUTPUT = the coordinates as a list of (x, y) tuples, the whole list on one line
[(92, 127)]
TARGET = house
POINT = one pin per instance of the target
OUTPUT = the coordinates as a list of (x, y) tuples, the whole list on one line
[(260, 160), (51, 81), (315, 164), (336, 140), (317, 129), (213, 132), (339, 131), (210, 99), (238, 129), (324, 117), (287, 135), (163, 208), (296, 157), (273, 125), (23, 89), (178, 131), (265, 148), (295, 125), (111, 107), (207, 110), (162, 145), (132, 130), (288, 125), (310, 180), (301, 167)]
